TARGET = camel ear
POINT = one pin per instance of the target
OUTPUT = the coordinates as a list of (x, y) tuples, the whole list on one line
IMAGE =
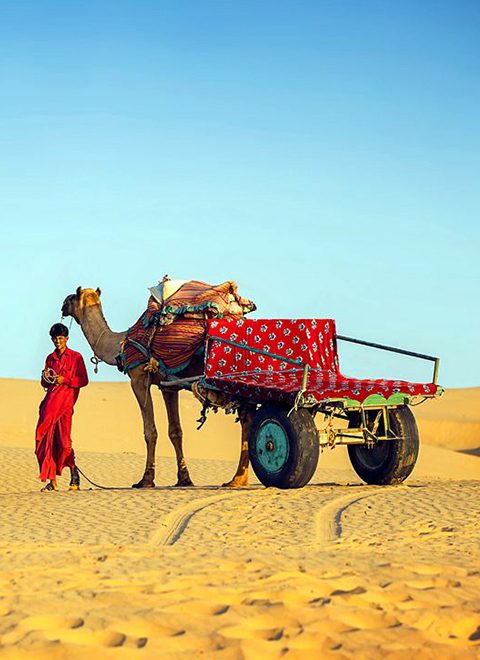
[(99, 291), (79, 291)]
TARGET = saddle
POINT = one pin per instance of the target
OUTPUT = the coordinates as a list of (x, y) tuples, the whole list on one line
[(172, 329)]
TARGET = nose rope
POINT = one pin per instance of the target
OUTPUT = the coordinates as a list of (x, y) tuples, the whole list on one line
[(95, 360), (71, 321)]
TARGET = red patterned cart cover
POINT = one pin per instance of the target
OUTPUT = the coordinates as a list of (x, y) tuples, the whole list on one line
[(247, 374)]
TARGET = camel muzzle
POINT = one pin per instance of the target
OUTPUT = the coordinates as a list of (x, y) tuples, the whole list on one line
[(66, 305)]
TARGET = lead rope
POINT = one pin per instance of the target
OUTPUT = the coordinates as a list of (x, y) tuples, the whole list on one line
[(49, 376), (93, 483)]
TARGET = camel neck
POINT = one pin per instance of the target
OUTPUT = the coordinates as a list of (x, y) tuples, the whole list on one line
[(104, 343)]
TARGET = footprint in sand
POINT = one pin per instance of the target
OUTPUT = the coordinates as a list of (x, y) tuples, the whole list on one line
[(220, 609), (349, 592), (451, 624), (50, 627), (364, 619), (430, 583), (263, 626), (70, 629), (247, 632), (110, 638), (5, 609), (262, 602), (50, 622), (142, 629), (387, 596), (345, 584)]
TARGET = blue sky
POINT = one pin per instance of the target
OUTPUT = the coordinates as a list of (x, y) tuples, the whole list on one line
[(325, 155)]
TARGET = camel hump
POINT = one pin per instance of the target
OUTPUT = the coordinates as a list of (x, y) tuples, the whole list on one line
[(173, 331)]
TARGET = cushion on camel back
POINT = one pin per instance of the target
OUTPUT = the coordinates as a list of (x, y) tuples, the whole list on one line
[(174, 332)]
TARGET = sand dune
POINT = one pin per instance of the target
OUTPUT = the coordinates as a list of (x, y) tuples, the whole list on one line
[(107, 420), (452, 421), (337, 569)]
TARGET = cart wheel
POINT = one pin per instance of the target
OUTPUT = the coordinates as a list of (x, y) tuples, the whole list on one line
[(283, 449), (389, 461)]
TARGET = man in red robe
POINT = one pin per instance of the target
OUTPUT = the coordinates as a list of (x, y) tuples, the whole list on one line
[(63, 376)]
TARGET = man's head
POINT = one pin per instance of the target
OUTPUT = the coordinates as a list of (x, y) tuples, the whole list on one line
[(59, 335)]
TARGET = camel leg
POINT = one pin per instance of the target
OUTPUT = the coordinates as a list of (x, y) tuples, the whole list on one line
[(176, 436), (240, 478), (141, 388)]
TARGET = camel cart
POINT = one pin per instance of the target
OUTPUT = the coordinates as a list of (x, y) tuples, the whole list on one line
[(287, 371)]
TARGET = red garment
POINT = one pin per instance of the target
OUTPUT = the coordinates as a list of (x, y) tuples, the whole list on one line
[(53, 440)]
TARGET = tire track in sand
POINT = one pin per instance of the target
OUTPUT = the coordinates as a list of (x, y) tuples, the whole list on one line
[(328, 523), (328, 520), (174, 523)]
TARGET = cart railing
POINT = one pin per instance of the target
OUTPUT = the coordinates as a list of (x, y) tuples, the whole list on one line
[(393, 349), (299, 363), (252, 349), (362, 342)]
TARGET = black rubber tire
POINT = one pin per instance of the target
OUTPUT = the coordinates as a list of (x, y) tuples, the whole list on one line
[(303, 446), (390, 461)]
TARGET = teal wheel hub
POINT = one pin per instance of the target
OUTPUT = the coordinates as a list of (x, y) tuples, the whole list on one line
[(272, 446)]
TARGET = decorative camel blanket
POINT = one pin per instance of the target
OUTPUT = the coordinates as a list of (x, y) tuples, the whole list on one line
[(175, 331)]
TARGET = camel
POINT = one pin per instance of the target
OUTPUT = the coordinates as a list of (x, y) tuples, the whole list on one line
[(85, 307)]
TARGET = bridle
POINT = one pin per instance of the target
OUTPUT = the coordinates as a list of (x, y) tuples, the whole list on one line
[(95, 360)]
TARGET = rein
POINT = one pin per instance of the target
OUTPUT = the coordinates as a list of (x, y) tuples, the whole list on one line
[(95, 360)]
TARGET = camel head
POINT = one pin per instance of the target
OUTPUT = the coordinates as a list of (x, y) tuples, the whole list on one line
[(75, 304)]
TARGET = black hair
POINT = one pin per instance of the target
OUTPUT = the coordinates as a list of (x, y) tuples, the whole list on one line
[(58, 330)]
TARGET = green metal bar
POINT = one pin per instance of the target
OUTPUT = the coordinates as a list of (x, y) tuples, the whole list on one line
[(392, 349), (305, 378), (245, 347)]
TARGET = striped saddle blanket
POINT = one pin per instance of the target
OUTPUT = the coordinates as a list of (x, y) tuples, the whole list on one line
[(174, 332)]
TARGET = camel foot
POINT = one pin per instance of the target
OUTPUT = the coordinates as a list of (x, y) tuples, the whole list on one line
[(184, 481), (236, 482), (144, 483)]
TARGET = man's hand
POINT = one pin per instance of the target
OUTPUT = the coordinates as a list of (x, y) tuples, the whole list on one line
[(59, 380)]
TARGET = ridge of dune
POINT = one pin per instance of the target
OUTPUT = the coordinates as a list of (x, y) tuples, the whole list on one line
[(453, 420), (107, 419)]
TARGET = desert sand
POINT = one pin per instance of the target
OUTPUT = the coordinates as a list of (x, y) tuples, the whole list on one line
[(337, 569)]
